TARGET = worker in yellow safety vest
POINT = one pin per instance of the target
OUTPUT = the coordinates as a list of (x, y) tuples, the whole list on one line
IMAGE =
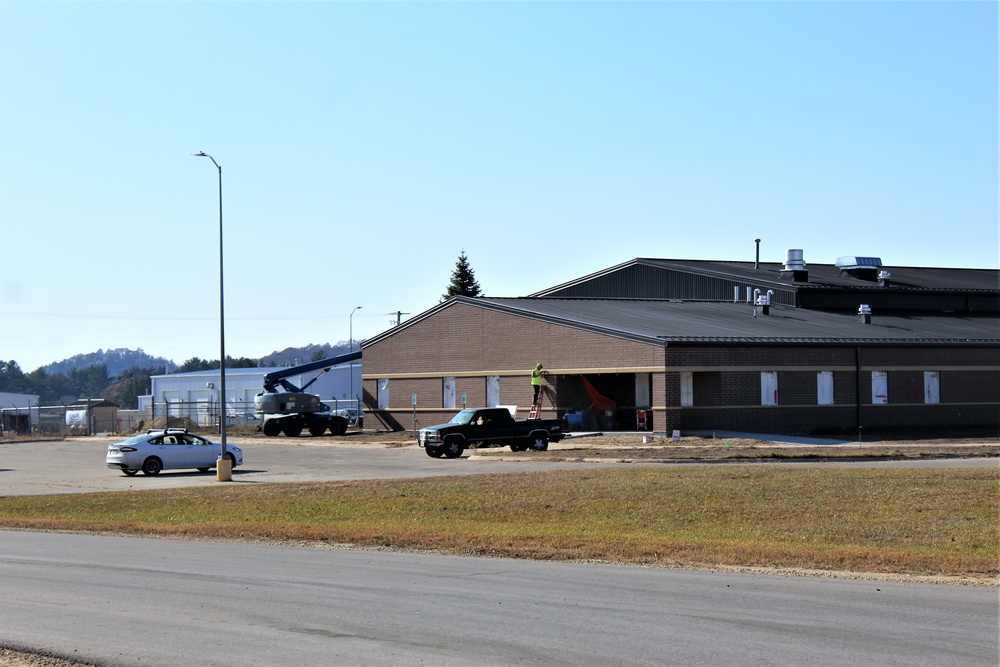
[(536, 382)]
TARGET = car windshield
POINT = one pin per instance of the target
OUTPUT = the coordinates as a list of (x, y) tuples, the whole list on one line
[(463, 417)]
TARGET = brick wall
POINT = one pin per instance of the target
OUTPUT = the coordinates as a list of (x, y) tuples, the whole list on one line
[(727, 381), (470, 343)]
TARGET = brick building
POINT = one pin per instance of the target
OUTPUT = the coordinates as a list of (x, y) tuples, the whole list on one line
[(697, 345)]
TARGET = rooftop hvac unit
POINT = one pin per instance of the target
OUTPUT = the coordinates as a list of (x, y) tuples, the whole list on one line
[(862, 268)]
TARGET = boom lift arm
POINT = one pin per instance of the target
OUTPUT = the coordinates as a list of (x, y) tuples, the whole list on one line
[(292, 410)]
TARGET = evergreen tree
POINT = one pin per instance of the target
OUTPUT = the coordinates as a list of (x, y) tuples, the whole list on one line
[(463, 280)]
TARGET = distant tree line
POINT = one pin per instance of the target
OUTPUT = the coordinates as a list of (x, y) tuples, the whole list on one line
[(94, 381)]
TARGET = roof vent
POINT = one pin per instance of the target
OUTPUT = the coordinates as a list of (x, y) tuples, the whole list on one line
[(862, 268), (795, 264), (865, 313)]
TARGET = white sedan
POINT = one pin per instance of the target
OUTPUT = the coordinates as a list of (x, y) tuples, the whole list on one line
[(167, 450)]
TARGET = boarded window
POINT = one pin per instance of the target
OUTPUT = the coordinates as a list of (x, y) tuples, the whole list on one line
[(448, 397), (824, 388), (383, 394), (492, 391), (687, 388), (880, 388), (932, 387), (642, 391), (769, 388)]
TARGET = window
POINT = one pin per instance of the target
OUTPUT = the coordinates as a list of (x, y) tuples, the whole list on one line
[(383, 394), (932, 387), (880, 388), (769, 388), (687, 388), (824, 388), (492, 391), (448, 399)]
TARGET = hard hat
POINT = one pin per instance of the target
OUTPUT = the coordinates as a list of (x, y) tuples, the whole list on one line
[(538, 366)]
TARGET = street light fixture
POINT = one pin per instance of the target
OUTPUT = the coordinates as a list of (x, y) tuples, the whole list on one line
[(350, 322), (224, 473)]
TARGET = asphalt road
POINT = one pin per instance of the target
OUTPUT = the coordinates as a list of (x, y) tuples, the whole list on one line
[(128, 601), (125, 601)]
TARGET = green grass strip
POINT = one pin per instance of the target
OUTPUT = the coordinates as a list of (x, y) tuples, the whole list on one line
[(914, 521)]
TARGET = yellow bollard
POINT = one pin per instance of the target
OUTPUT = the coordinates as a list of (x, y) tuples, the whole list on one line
[(224, 470)]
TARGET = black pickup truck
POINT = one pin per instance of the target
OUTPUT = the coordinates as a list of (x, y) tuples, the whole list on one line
[(488, 426)]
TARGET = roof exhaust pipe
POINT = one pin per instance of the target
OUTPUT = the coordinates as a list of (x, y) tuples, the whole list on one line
[(756, 261)]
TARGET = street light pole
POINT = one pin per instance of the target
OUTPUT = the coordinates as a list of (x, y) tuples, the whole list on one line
[(350, 323), (223, 460)]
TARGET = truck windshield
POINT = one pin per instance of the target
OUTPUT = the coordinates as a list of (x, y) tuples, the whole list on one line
[(463, 417)]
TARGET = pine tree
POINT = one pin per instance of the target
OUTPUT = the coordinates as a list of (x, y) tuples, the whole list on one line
[(463, 280)]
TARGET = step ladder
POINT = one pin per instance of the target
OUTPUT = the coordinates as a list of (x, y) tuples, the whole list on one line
[(536, 408)]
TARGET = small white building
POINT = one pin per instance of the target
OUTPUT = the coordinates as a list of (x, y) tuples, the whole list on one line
[(196, 395), (16, 409)]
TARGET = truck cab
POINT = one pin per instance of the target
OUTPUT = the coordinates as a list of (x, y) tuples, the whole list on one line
[(488, 427)]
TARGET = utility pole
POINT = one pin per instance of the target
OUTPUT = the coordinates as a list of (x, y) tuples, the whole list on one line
[(399, 317)]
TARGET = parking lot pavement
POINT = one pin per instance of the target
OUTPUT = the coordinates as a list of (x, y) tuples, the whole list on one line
[(77, 465)]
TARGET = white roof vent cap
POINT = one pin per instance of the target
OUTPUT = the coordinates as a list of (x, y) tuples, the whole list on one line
[(794, 260)]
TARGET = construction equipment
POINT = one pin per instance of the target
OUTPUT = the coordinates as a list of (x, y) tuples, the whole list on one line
[(286, 408)]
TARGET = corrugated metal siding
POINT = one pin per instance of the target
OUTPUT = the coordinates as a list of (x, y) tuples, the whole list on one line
[(646, 282)]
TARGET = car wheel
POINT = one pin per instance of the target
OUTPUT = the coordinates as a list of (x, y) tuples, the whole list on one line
[(272, 428), (317, 430), (453, 448), (292, 429), (232, 461), (202, 469), (434, 452), (152, 466), (540, 443), (338, 426), (130, 473)]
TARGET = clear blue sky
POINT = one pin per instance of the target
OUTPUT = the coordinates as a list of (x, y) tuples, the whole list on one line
[(365, 145)]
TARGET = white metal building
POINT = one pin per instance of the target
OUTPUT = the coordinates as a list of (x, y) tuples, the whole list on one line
[(242, 384)]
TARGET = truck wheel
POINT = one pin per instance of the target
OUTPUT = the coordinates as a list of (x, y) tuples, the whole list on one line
[(434, 452), (292, 428), (539, 442), (272, 428), (317, 430), (453, 448), (518, 447), (338, 426)]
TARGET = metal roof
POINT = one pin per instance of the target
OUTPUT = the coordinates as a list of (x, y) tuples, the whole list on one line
[(619, 302), (772, 274), (667, 320)]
